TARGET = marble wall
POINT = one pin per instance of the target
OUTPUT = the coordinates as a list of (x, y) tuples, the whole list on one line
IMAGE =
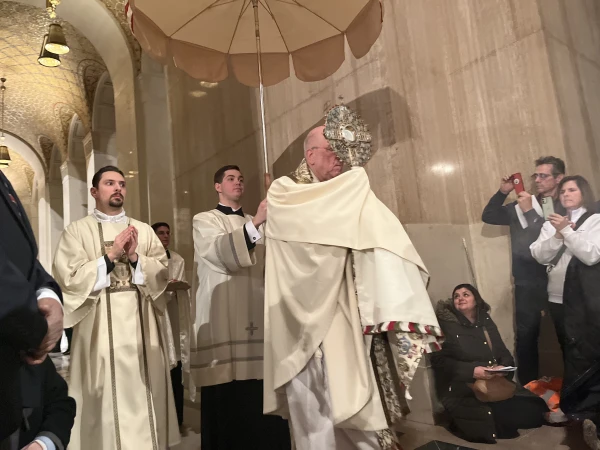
[(212, 125), (572, 34), (457, 94)]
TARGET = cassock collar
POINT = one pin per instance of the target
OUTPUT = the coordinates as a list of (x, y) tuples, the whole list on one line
[(228, 210), (101, 217)]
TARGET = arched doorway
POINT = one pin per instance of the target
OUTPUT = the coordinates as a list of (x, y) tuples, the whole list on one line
[(101, 147), (74, 175)]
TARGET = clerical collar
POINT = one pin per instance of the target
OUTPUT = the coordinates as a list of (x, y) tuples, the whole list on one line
[(228, 210), (101, 217)]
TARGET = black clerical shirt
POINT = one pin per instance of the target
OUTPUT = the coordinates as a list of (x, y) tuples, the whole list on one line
[(227, 210)]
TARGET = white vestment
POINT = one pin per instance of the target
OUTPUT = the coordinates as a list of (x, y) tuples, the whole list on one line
[(178, 306), (119, 370), (342, 277), (226, 339)]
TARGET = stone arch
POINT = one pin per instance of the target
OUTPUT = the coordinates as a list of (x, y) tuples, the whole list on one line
[(101, 148), (99, 26), (38, 211), (104, 127)]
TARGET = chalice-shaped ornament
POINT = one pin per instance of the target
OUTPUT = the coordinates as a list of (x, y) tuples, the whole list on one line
[(348, 136)]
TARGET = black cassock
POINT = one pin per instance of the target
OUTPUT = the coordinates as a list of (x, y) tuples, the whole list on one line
[(232, 419)]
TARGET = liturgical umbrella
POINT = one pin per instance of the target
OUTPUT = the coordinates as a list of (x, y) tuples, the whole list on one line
[(255, 38)]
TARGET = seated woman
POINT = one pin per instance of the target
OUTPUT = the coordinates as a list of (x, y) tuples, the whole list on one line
[(570, 246), (464, 358)]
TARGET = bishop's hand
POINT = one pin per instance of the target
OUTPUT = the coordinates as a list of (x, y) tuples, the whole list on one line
[(261, 214)]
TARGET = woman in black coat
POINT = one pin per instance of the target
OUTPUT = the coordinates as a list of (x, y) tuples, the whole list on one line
[(464, 358)]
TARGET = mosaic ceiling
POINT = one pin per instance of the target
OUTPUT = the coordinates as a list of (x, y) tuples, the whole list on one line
[(20, 174), (41, 101)]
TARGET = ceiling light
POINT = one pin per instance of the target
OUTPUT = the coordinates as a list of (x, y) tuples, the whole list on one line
[(51, 7), (56, 43), (48, 59), (4, 156)]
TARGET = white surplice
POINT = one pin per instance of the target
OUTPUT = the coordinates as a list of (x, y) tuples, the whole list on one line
[(226, 340)]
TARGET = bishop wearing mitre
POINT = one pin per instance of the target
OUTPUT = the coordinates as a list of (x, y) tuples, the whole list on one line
[(112, 270), (347, 315)]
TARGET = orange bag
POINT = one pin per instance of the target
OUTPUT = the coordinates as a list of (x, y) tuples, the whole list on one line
[(548, 388)]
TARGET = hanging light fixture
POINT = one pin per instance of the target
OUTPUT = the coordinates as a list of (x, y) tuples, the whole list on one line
[(56, 42), (47, 58), (51, 7), (4, 156)]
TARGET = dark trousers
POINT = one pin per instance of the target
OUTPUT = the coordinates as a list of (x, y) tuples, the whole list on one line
[(177, 383), (232, 419), (530, 302), (557, 312)]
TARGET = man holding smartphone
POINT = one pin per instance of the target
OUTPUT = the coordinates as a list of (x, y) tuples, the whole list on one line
[(525, 219)]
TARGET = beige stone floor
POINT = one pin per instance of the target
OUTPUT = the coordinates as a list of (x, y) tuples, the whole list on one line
[(413, 435), (545, 438)]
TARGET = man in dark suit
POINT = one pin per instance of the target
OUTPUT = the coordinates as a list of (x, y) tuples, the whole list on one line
[(30, 307)]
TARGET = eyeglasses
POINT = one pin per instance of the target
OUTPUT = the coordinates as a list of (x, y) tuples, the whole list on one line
[(542, 176)]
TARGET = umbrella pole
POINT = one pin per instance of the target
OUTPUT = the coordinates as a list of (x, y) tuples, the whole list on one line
[(262, 97)]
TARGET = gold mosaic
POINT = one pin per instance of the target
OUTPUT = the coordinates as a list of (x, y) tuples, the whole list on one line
[(40, 101), (20, 174)]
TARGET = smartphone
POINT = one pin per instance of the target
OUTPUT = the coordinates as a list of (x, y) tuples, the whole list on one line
[(547, 206), (517, 181)]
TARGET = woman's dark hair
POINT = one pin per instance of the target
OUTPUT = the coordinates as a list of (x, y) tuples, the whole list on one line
[(587, 195), (479, 301)]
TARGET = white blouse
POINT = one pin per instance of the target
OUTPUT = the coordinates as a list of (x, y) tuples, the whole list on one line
[(584, 244)]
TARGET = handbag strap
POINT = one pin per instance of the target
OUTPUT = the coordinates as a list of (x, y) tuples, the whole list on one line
[(556, 259), (562, 250), (489, 340)]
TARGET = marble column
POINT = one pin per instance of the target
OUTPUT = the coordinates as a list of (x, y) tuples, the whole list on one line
[(75, 196), (157, 161)]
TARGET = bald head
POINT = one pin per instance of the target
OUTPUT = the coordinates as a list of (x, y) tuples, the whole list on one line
[(315, 138), (320, 157)]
